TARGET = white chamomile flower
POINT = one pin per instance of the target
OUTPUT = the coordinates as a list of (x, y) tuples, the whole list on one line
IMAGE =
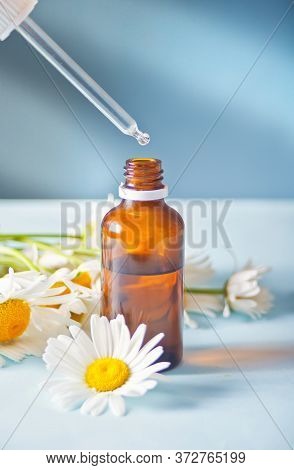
[(100, 372), (27, 318), (87, 274), (86, 300), (243, 294), (52, 261)]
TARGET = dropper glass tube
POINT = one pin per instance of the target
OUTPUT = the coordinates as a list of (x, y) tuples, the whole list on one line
[(48, 48)]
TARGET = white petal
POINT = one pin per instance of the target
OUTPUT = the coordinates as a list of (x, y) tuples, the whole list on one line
[(116, 326), (146, 373), (145, 350), (73, 350), (149, 359), (251, 292), (84, 342), (137, 389), (160, 377), (245, 275), (51, 260), (226, 310), (117, 405), (124, 342), (58, 354), (136, 343), (108, 337), (66, 362), (150, 384), (55, 291), (62, 365), (71, 400), (62, 386), (12, 351), (35, 288), (85, 291), (95, 404), (243, 289), (95, 333), (56, 300), (121, 319), (100, 407), (90, 265), (32, 342), (78, 306), (101, 336), (51, 322)]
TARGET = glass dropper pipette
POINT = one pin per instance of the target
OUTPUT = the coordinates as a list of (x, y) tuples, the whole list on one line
[(14, 15)]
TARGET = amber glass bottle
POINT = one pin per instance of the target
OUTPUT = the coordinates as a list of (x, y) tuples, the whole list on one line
[(142, 257)]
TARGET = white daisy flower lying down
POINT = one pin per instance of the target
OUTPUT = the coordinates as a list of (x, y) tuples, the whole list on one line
[(95, 374), (27, 319), (84, 284), (241, 293), (244, 294)]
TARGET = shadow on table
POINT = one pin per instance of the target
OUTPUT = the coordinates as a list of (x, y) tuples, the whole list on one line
[(183, 394), (228, 359), (175, 396)]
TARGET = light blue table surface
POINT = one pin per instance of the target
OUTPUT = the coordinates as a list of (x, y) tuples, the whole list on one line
[(235, 388)]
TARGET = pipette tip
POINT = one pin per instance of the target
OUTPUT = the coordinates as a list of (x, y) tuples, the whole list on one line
[(142, 137)]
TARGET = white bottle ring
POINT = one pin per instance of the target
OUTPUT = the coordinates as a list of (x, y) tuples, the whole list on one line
[(137, 195)]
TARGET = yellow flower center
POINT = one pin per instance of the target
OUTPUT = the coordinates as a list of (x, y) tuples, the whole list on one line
[(107, 374), (83, 279), (64, 292), (61, 284), (14, 319)]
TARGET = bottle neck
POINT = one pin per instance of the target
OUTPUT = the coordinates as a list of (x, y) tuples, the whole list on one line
[(143, 180), (143, 174)]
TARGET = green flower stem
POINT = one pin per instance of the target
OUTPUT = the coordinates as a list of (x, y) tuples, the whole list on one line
[(87, 251), (10, 262), (44, 242), (205, 290), (4, 250), (43, 246), (19, 236)]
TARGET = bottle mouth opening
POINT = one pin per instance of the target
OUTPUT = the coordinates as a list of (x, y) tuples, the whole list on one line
[(144, 162)]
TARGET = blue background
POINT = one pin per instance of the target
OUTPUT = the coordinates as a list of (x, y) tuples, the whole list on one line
[(173, 65)]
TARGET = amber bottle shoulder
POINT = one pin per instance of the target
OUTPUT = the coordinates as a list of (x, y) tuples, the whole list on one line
[(133, 210)]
